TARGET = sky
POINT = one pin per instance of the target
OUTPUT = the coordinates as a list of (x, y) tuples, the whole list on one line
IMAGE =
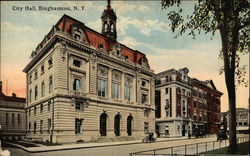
[(141, 25)]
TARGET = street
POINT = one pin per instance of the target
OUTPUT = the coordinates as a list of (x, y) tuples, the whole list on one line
[(124, 150)]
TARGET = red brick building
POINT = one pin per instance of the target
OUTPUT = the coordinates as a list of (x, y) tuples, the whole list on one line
[(185, 104), (206, 105)]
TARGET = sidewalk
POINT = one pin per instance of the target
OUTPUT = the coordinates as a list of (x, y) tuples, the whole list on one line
[(88, 145)]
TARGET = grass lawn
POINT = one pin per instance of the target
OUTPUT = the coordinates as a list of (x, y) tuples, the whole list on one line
[(243, 150)]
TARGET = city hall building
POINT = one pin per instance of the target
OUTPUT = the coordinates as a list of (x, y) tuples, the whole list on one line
[(83, 85), (185, 105)]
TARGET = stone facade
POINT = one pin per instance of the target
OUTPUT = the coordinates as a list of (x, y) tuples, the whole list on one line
[(82, 85), (242, 120), (12, 116), (179, 109)]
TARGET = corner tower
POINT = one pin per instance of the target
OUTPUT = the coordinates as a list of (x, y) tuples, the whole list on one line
[(109, 22)]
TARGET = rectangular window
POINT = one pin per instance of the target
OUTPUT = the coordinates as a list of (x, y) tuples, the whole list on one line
[(195, 117), (166, 78), (42, 69), (41, 108), (49, 125), (115, 90), (35, 127), (49, 105), (43, 89), (144, 98), (13, 118), (36, 92), (50, 62), (78, 126), (50, 84), (194, 93), (167, 104), (30, 78), (195, 104), (30, 95), (146, 113), (34, 110), (79, 105), (183, 92), (127, 93), (166, 90), (29, 111), (7, 118), (36, 74), (77, 63), (19, 119), (143, 83), (146, 127), (77, 85), (102, 85), (29, 127), (41, 126)]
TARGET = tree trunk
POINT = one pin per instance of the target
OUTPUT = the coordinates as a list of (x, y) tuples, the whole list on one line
[(229, 70), (232, 116)]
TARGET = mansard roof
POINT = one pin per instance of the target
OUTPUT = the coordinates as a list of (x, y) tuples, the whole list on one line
[(93, 38)]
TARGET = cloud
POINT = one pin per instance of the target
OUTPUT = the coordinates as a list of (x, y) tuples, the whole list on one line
[(143, 8), (10, 27), (122, 7), (130, 42), (145, 27)]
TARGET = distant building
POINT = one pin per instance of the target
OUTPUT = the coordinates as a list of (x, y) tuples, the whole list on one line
[(184, 104), (84, 85), (12, 116), (242, 120)]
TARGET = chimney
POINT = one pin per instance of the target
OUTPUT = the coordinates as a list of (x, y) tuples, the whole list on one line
[(1, 88), (13, 95)]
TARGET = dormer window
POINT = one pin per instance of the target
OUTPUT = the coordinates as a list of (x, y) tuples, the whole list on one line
[(126, 57), (77, 32), (100, 46), (77, 63)]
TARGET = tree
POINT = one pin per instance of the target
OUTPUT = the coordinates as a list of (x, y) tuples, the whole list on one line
[(231, 19)]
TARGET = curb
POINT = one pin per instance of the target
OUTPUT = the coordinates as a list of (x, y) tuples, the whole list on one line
[(74, 148)]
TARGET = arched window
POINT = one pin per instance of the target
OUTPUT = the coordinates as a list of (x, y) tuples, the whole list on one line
[(129, 125), (117, 125), (103, 124)]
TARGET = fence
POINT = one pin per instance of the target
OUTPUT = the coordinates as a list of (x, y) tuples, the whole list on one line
[(189, 148)]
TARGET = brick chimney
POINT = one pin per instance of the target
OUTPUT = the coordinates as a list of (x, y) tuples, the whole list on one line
[(13, 95)]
